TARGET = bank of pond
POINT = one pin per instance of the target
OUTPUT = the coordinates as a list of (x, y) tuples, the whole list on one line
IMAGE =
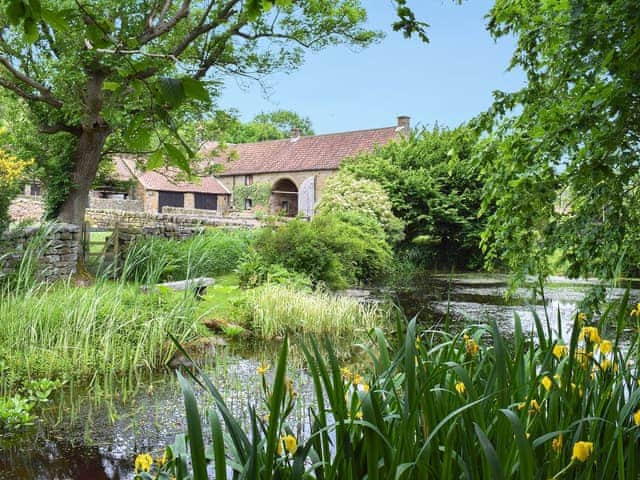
[(476, 387)]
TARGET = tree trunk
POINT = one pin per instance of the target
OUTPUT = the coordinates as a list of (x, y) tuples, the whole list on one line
[(91, 139), (87, 158)]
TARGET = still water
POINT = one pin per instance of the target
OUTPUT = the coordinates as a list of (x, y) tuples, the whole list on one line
[(78, 440)]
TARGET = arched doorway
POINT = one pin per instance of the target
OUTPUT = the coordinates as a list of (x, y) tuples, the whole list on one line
[(284, 198)]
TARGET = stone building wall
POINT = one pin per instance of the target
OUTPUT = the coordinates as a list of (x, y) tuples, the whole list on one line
[(59, 250), (116, 204), (271, 178)]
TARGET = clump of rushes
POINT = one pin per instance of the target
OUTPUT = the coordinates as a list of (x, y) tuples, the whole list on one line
[(439, 405), (278, 309)]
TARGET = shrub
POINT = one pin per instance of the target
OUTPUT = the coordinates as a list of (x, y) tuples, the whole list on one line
[(344, 193), (328, 250), (253, 271), (12, 172)]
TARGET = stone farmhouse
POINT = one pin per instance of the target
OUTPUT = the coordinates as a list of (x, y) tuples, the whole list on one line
[(294, 170)]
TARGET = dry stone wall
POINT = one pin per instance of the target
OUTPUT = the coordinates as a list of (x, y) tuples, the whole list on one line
[(107, 219), (58, 250)]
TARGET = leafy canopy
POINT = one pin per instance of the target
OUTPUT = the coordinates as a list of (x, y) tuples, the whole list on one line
[(433, 187), (561, 162)]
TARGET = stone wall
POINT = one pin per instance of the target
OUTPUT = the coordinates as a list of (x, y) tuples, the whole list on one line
[(107, 219), (25, 208), (58, 252)]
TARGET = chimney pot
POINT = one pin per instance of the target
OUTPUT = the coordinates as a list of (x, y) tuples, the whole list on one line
[(404, 121)]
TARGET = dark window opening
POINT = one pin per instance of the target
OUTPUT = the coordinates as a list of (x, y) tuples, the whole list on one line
[(248, 179), (248, 204)]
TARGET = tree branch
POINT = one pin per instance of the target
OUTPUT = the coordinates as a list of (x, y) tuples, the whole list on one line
[(60, 127), (164, 27), (45, 92), (27, 95)]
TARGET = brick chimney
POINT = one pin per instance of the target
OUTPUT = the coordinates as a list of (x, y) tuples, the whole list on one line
[(295, 133), (404, 122)]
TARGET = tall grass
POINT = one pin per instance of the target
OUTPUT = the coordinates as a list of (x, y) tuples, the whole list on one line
[(440, 405), (97, 333), (278, 309), (214, 252)]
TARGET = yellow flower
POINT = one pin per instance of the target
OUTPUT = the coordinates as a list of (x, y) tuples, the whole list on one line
[(460, 387), (636, 311), (560, 351), (546, 382), (471, 345), (359, 415), (556, 444), (535, 406), (263, 368), (290, 444), (346, 373), (636, 417), (162, 460), (590, 334), (143, 463), (581, 317), (582, 451), (605, 346), (606, 364)]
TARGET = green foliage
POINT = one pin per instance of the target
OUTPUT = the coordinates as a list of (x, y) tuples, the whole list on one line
[(17, 411), (433, 188), (259, 193), (227, 127), (214, 252), (441, 405), (328, 250), (280, 309), (345, 194), (570, 136), (253, 271)]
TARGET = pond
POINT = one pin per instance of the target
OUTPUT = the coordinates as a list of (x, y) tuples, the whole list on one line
[(86, 437)]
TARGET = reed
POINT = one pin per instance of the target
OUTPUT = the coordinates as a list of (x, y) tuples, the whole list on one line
[(97, 333), (278, 309)]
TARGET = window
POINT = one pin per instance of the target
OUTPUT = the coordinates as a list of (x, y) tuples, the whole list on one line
[(285, 206), (248, 179), (248, 204)]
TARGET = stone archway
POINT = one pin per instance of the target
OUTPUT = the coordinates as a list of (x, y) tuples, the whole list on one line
[(284, 198)]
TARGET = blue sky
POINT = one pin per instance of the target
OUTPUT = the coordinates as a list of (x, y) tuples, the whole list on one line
[(447, 81)]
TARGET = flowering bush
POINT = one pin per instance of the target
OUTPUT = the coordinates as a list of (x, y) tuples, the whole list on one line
[(12, 173), (345, 193)]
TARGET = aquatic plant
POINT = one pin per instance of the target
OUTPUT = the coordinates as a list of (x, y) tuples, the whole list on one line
[(439, 405), (278, 309)]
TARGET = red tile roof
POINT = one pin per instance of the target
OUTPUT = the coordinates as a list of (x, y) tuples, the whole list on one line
[(168, 179), (317, 152)]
